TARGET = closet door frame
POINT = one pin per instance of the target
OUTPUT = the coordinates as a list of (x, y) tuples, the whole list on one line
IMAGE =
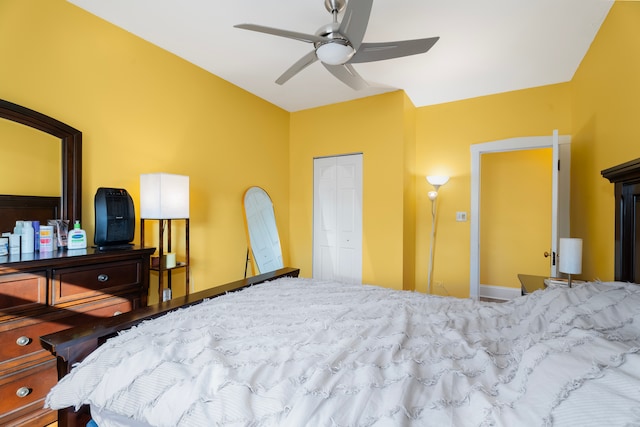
[(337, 218)]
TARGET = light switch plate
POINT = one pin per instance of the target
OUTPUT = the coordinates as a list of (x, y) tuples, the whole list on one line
[(461, 216)]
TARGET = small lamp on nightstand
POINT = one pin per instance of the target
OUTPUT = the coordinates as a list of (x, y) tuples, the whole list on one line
[(570, 255)]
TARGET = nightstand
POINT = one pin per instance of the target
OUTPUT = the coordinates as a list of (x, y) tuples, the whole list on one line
[(161, 267), (530, 283)]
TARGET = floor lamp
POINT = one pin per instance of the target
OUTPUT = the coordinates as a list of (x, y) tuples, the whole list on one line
[(437, 182)]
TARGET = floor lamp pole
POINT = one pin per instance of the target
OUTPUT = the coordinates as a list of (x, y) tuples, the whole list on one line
[(432, 243)]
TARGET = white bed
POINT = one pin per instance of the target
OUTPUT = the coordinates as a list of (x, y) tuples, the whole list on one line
[(296, 352)]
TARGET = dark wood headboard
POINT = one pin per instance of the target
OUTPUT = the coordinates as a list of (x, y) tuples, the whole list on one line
[(29, 208), (626, 178)]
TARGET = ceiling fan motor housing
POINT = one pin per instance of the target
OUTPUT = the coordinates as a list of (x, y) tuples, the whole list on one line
[(336, 6)]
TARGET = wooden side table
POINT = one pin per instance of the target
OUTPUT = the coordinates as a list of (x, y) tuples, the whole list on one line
[(530, 283), (163, 250)]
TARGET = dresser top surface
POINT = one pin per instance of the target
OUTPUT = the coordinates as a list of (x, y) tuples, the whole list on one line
[(61, 257)]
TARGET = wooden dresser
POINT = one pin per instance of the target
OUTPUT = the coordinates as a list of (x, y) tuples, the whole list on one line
[(43, 294)]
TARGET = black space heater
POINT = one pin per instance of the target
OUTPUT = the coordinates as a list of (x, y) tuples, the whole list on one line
[(115, 219)]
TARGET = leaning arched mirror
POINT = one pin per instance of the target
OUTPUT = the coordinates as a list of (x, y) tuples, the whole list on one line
[(262, 232)]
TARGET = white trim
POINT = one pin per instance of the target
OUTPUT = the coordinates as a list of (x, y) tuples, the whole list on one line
[(511, 144), (499, 292), (337, 250)]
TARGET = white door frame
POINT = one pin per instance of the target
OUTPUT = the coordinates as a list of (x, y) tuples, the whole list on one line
[(560, 190)]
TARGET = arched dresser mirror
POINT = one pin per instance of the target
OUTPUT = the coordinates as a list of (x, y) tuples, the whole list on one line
[(70, 139), (262, 231)]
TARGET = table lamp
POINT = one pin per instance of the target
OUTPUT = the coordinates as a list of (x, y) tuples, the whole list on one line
[(570, 256)]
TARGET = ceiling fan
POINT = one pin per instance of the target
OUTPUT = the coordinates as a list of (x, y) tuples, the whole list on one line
[(339, 44)]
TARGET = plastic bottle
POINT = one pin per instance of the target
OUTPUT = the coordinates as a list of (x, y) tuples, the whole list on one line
[(77, 238), (4, 245), (28, 237), (36, 235), (18, 228), (46, 238), (14, 244)]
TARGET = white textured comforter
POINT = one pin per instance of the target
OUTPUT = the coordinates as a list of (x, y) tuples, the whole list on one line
[(298, 352)]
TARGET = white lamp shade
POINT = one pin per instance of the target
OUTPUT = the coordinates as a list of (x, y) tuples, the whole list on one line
[(164, 196), (570, 255), (437, 180)]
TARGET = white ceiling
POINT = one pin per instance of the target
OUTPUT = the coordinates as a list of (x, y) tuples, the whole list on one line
[(485, 46)]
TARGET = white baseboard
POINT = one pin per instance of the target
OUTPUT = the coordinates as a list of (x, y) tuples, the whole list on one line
[(499, 292)]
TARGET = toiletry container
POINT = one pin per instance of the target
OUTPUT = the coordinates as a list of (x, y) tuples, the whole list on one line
[(4, 245), (18, 228), (77, 238), (28, 236), (46, 238), (14, 244), (36, 235)]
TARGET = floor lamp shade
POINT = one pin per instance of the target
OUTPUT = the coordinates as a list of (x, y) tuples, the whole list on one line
[(164, 196), (570, 256)]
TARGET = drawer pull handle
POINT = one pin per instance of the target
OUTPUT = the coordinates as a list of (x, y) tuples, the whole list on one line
[(117, 313), (103, 277), (22, 341), (23, 392)]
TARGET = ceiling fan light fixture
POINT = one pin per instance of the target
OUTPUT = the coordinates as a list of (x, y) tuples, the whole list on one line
[(335, 52), (338, 44)]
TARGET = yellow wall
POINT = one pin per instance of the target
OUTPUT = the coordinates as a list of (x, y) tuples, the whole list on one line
[(142, 110), (409, 237), (373, 126), (598, 108), (515, 209), (444, 135), (606, 132)]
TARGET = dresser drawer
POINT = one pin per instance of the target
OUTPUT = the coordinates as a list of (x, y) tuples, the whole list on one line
[(22, 344), (70, 284), (25, 390), (22, 291), (40, 296)]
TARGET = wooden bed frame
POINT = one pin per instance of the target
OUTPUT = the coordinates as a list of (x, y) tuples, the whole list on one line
[(626, 180), (72, 345)]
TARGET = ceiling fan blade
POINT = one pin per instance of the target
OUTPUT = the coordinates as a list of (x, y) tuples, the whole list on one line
[(347, 75), (300, 65), (309, 38), (370, 52), (355, 21)]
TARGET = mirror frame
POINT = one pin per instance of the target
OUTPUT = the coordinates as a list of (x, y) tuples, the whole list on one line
[(71, 149), (258, 228)]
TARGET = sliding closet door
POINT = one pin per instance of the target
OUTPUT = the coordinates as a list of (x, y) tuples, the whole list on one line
[(337, 218)]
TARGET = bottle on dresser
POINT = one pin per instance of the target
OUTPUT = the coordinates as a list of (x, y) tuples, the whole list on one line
[(77, 238), (28, 238)]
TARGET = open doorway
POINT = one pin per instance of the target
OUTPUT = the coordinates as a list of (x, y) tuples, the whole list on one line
[(515, 217), (561, 155)]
